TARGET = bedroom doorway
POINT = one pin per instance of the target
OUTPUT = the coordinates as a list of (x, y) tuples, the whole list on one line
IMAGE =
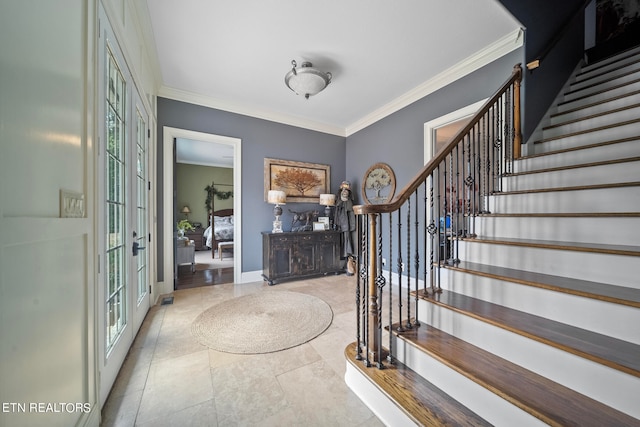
[(203, 183), (172, 211)]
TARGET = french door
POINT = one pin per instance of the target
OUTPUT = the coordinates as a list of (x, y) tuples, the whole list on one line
[(124, 189)]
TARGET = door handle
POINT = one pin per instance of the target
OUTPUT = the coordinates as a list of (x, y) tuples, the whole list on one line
[(136, 248)]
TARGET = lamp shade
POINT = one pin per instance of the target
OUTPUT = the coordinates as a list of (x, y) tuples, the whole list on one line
[(186, 210), (306, 80), (277, 197), (328, 199)]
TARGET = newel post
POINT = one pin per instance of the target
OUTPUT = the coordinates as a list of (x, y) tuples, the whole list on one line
[(372, 330), (517, 128)]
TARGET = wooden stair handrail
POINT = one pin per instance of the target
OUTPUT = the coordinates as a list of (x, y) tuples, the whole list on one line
[(430, 166)]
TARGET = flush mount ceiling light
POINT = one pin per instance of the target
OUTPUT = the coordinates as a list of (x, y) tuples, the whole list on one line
[(306, 80)]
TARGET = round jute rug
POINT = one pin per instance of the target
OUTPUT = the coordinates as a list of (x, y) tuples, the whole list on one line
[(263, 322)]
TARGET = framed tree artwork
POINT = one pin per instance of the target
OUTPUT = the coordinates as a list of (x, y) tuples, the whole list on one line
[(301, 181), (379, 184)]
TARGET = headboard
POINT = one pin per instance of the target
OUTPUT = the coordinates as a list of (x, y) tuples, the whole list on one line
[(214, 242)]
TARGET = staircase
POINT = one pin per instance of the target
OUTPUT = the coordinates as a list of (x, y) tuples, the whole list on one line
[(539, 323)]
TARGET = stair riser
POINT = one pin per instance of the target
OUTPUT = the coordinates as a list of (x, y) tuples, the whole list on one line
[(379, 403), (483, 402), (602, 174), (608, 134), (613, 104), (611, 387), (625, 199), (602, 230), (597, 267), (609, 84), (600, 153), (584, 81), (609, 63), (603, 317), (584, 125), (577, 102)]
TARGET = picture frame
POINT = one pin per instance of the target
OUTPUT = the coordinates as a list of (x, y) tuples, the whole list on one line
[(378, 184), (319, 226), (302, 182), (325, 221)]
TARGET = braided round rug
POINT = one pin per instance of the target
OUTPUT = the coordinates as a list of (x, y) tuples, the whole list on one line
[(263, 322)]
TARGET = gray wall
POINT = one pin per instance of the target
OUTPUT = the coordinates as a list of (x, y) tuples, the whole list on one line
[(260, 139), (398, 139), (543, 19)]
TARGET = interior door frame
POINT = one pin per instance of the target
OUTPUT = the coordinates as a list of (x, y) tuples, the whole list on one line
[(169, 136)]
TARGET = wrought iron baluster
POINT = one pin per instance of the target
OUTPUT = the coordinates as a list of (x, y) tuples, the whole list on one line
[(390, 356), (416, 260), (408, 324), (399, 269), (380, 283), (359, 281)]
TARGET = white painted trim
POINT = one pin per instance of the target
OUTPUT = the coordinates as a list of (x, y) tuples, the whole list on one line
[(169, 133), (247, 110), (252, 276), (474, 62), (431, 126)]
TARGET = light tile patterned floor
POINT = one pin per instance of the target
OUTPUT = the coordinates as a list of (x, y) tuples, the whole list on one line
[(169, 379)]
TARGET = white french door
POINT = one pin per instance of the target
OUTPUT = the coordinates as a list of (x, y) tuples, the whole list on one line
[(123, 220)]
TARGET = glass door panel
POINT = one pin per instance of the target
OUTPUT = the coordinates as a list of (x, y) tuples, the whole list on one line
[(115, 172)]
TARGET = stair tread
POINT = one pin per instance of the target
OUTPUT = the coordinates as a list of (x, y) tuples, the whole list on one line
[(580, 147), (548, 401), (615, 353), (600, 291), (596, 84), (593, 104), (566, 215), (587, 131), (571, 188), (596, 92), (552, 244), (590, 117), (425, 403), (575, 166)]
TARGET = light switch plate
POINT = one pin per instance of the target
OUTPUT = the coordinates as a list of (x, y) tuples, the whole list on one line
[(71, 204)]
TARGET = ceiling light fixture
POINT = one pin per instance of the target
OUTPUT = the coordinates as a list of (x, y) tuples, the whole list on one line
[(306, 80)]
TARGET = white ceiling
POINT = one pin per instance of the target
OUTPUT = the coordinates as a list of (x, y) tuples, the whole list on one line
[(233, 55), (204, 153)]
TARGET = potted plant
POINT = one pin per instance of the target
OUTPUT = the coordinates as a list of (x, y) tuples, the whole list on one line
[(182, 226)]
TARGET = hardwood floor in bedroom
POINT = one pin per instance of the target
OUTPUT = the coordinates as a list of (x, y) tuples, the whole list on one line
[(169, 379)]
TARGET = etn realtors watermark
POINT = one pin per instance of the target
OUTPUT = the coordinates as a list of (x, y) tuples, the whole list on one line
[(43, 408)]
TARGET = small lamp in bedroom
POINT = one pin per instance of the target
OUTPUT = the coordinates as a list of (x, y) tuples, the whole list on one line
[(277, 198), (186, 211)]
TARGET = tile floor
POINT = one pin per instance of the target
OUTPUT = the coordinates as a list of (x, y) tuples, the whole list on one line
[(169, 379)]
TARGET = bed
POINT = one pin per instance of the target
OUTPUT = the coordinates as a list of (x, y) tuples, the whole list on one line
[(220, 229)]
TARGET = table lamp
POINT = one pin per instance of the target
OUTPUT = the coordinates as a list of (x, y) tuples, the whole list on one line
[(327, 200), (277, 198)]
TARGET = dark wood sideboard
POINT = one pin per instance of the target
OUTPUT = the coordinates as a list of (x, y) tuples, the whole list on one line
[(197, 236), (297, 255)]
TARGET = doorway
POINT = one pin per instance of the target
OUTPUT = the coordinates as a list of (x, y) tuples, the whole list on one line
[(204, 184), (169, 136)]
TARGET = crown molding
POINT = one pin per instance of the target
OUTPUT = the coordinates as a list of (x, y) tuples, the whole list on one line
[(501, 47), (206, 101)]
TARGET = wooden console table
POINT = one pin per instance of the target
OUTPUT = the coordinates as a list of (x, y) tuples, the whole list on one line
[(296, 255)]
